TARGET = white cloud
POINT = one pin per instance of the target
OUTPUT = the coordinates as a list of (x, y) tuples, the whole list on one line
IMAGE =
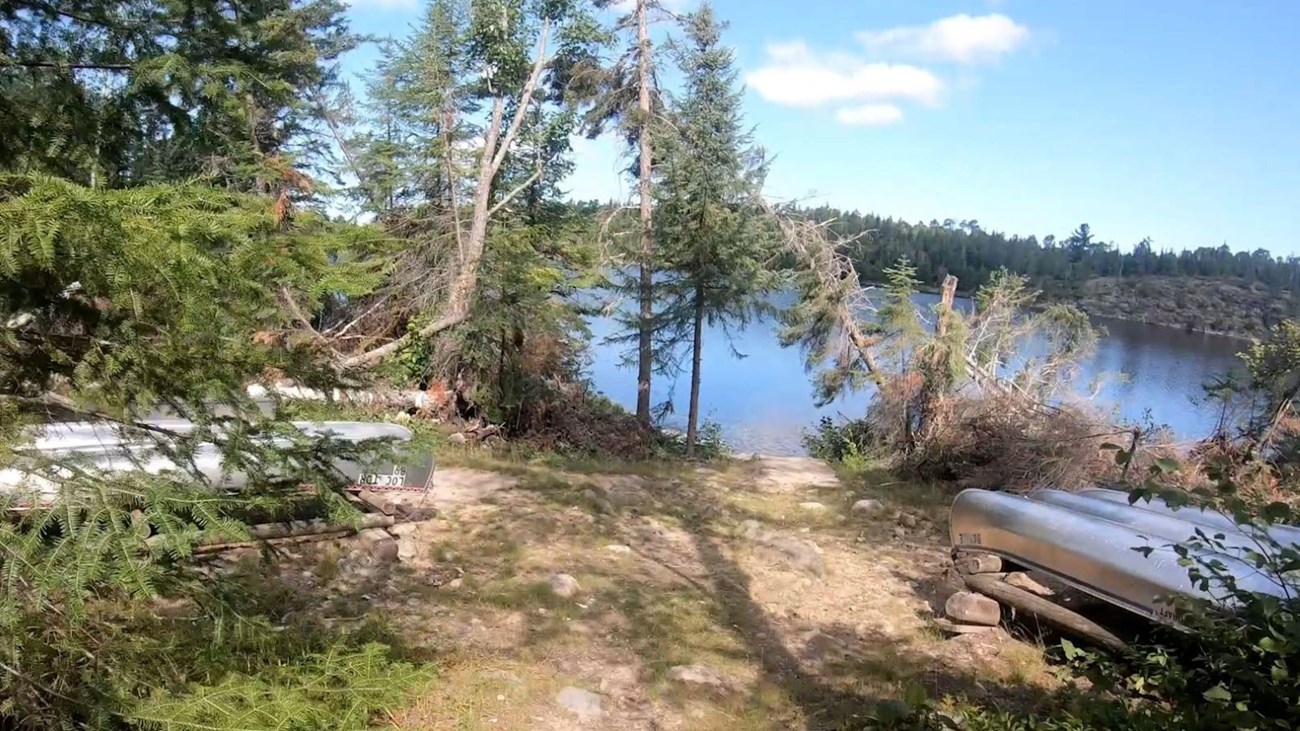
[(870, 115), (797, 76), (961, 38)]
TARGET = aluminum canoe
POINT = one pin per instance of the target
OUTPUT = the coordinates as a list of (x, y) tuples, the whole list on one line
[(1213, 519), (99, 447), (1090, 552)]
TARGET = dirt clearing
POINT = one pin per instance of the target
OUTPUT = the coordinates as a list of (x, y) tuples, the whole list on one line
[(744, 596)]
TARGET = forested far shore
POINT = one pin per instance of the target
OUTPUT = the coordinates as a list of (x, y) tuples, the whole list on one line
[(1206, 289)]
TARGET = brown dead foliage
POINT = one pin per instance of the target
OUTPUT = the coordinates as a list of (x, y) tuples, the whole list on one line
[(996, 441)]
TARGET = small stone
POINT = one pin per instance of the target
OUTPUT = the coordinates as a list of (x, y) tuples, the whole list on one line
[(953, 628), (403, 529), (900, 532), (458, 438), (700, 676), (867, 507), (454, 584), (618, 548), (381, 546), (982, 563), (907, 520), (500, 697), (966, 607), (563, 585), (582, 703), (813, 506), (1021, 580)]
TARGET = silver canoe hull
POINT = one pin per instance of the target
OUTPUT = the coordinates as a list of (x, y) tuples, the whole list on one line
[(1212, 519), (1091, 552), (98, 447)]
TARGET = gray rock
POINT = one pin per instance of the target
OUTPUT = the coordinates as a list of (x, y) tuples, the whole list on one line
[(963, 629), (900, 532), (1021, 580), (700, 676), (582, 703), (813, 506), (381, 546), (966, 607), (563, 585), (458, 438), (801, 554), (907, 520), (867, 507), (618, 548), (407, 550), (403, 529)]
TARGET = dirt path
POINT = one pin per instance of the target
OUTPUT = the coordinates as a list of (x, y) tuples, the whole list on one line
[(745, 597)]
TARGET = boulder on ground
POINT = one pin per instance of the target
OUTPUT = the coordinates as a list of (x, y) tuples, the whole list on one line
[(700, 676), (381, 546), (867, 507), (966, 607), (581, 703), (563, 585)]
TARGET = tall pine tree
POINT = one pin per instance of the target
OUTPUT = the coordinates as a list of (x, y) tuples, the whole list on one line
[(708, 221), (629, 97)]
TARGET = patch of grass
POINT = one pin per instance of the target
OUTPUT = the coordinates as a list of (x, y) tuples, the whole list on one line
[(668, 627), (477, 692), (784, 510), (875, 480)]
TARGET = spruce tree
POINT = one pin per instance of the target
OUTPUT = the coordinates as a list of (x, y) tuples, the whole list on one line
[(128, 93), (708, 220), (629, 97)]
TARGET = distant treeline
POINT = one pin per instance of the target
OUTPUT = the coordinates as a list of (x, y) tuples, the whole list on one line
[(967, 251)]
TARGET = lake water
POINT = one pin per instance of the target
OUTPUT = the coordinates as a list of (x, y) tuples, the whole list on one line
[(764, 400)]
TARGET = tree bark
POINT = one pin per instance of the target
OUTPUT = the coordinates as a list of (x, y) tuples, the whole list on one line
[(496, 145), (693, 419), (646, 294)]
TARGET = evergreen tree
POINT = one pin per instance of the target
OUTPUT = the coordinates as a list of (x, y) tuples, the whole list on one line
[(708, 223), (114, 304), (629, 96), (125, 93), (480, 81)]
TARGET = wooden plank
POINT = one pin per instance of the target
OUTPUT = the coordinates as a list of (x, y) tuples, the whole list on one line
[(1051, 613)]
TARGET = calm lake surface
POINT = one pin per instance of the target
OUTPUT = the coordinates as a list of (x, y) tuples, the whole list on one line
[(764, 400)]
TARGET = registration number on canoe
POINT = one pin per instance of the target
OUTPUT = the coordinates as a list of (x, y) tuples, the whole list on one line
[(396, 478), (969, 539)]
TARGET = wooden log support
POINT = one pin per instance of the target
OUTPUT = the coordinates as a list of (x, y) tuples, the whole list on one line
[(268, 531), (295, 531), (212, 548), (1053, 614)]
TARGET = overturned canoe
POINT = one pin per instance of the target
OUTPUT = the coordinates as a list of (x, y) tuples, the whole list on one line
[(100, 447), (1091, 552), (1199, 516)]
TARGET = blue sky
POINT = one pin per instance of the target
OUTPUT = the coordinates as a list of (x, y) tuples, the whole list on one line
[(1174, 120)]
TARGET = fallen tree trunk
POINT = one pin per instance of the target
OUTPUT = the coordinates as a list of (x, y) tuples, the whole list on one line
[(1054, 614), (211, 548), (293, 529)]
